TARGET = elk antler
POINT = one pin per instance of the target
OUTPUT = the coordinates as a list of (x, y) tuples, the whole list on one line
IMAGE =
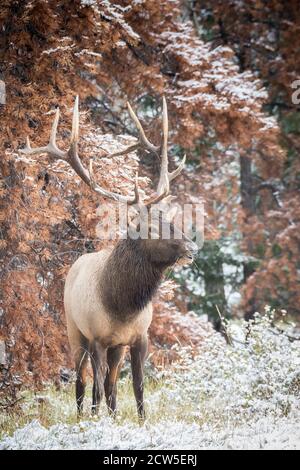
[(71, 156), (165, 177)]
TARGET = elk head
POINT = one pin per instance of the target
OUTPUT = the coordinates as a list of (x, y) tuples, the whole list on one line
[(155, 214)]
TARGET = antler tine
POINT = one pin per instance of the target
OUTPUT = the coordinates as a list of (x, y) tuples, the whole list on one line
[(142, 141), (110, 195), (75, 121), (72, 154), (165, 177), (87, 175), (136, 190), (142, 136), (51, 148), (164, 184), (178, 170), (131, 148), (52, 140)]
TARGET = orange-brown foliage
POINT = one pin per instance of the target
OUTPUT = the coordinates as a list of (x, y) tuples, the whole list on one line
[(107, 52)]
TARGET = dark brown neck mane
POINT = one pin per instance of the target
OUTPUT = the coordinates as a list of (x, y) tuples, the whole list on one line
[(129, 280)]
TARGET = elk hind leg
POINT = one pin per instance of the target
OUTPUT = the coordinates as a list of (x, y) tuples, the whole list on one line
[(98, 355), (81, 353), (114, 362), (138, 352)]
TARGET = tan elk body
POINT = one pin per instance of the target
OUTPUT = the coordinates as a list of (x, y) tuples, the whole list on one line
[(108, 294), (86, 313)]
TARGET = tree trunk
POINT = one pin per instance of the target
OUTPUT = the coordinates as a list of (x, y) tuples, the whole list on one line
[(248, 204)]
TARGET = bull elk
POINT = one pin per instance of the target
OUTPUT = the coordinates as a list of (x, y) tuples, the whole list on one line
[(108, 294)]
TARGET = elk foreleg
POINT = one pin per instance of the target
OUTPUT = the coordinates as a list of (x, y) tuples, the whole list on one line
[(138, 352), (99, 364), (80, 350), (114, 362)]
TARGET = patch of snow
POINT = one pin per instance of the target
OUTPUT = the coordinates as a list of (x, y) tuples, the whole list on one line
[(87, 3), (104, 434), (244, 396), (58, 49), (114, 13), (87, 52)]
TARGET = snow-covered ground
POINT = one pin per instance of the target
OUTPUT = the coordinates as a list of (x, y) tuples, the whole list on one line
[(264, 434), (245, 396)]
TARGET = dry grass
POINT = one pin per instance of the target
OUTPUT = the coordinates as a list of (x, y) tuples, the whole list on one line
[(51, 406)]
